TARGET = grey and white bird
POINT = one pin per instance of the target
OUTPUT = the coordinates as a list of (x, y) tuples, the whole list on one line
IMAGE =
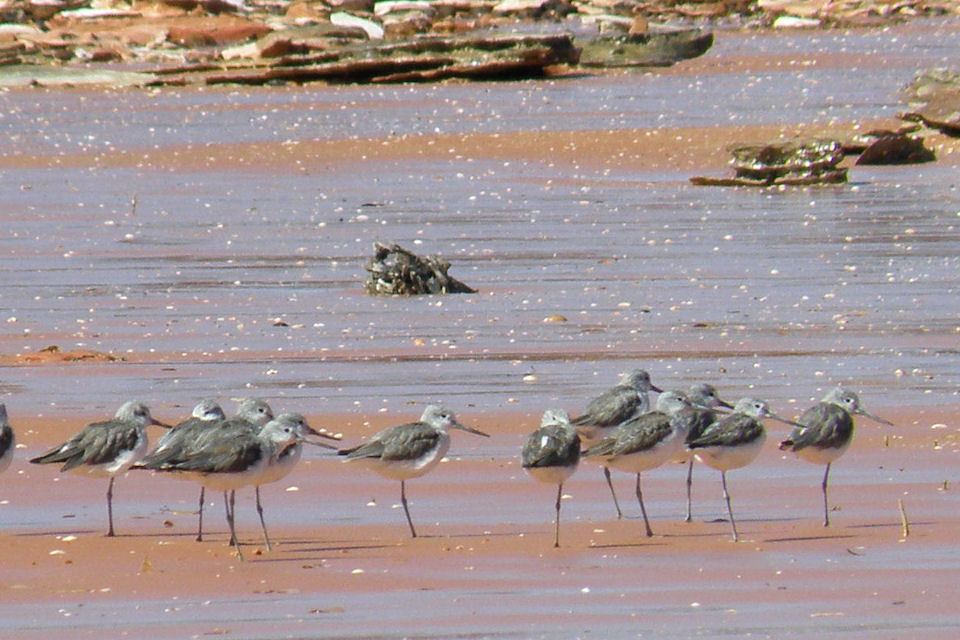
[(410, 450), (627, 399), (825, 433), (106, 449), (734, 442), (551, 454), (206, 415), (228, 460), (7, 439), (704, 398), (644, 442)]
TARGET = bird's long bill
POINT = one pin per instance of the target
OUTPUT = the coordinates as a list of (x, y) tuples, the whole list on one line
[(724, 404), (873, 417), (323, 433), (322, 445), (464, 427), (654, 387), (307, 430), (774, 416), (157, 423)]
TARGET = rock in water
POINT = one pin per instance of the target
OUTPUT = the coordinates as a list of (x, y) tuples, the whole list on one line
[(396, 271), (934, 97), (896, 148), (783, 163)]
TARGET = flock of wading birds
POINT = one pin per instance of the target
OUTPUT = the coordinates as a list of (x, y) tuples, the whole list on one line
[(618, 429)]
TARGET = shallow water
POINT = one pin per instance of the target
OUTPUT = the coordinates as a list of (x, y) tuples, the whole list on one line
[(781, 292)]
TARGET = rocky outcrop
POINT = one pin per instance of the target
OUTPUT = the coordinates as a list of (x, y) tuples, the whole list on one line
[(248, 39)]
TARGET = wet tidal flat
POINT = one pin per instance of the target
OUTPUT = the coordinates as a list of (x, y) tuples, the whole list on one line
[(212, 243)]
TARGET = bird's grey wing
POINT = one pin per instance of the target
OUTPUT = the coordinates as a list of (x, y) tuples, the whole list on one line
[(412, 441), (693, 422), (825, 425), (732, 430), (102, 442), (172, 449), (641, 434), (609, 409), (546, 449), (378, 445), (604, 447), (227, 455), (71, 452), (182, 430)]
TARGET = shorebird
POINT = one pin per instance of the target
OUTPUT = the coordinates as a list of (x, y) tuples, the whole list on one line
[(409, 450), (252, 415), (182, 437), (106, 449), (734, 442), (551, 454), (629, 398), (644, 442), (228, 460), (703, 398), (7, 439), (825, 433)]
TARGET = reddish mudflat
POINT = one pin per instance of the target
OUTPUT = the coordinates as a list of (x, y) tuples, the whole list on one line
[(344, 566)]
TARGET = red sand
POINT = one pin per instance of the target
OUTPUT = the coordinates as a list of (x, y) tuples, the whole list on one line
[(484, 564)]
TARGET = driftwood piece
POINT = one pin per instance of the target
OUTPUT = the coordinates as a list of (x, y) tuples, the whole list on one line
[(396, 271)]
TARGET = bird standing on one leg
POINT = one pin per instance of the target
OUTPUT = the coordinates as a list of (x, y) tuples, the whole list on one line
[(106, 449), (206, 415), (734, 442), (825, 433), (629, 398), (409, 450), (551, 454)]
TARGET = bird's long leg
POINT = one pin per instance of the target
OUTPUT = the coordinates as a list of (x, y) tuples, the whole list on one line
[(826, 506), (689, 491), (643, 509), (726, 496), (226, 507), (613, 494), (556, 530), (263, 524), (200, 512), (231, 510), (110, 533), (406, 510)]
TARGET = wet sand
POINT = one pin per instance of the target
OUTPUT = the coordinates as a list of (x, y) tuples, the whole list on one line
[(778, 294), (344, 566)]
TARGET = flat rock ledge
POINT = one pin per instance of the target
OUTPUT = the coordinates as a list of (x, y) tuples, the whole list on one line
[(794, 163)]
